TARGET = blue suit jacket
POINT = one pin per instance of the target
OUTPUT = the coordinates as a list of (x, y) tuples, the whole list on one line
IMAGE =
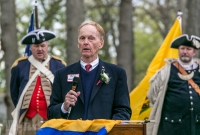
[(107, 101)]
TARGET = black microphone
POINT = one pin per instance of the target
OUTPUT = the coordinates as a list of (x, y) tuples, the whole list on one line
[(74, 85)]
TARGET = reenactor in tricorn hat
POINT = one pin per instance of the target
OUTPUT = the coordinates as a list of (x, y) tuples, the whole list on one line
[(174, 92), (31, 82), (185, 40)]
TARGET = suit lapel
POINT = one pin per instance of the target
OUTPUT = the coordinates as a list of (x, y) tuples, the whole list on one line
[(97, 86)]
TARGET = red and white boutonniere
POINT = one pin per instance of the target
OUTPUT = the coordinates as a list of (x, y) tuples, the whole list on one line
[(104, 77)]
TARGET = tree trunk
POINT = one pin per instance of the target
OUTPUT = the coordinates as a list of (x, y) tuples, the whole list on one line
[(75, 16), (192, 25), (125, 56), (9, 45)]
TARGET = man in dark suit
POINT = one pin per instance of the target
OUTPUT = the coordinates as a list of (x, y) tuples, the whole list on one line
[(102, 91)]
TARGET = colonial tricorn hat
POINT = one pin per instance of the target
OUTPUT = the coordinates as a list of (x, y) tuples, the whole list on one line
[(37, 36), (184, 39)]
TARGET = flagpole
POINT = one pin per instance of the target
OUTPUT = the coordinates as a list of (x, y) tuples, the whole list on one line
[(179, 13), (36, 15)]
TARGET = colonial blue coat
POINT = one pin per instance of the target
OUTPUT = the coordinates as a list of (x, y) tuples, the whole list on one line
[(107, 101), (181, 108), (20, 77), (175, 103)]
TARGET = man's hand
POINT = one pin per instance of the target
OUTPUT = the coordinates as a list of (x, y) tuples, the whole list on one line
[(70, 99)]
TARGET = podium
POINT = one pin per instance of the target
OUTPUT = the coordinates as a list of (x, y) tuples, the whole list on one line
[(129, 129), (114, 127)]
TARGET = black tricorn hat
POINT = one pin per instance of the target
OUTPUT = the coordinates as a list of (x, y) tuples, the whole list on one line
[(37, 36), (184, 39)]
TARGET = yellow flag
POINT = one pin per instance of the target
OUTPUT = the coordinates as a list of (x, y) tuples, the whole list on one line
[(139, 103)]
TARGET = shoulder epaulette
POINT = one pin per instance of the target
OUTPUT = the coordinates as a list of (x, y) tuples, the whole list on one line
[(17, 60), (57, 58)]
